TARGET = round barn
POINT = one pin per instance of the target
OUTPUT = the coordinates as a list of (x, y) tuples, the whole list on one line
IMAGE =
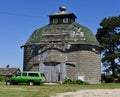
[(63, 49)]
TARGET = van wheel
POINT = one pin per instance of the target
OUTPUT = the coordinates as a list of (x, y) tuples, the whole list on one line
[(8, 82), (31, 83)]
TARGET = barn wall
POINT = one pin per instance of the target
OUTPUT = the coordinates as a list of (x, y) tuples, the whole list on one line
[(31, 60), (88, 63), (81, 61)]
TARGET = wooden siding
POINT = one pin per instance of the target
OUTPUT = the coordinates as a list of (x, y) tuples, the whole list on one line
[(54, 72)]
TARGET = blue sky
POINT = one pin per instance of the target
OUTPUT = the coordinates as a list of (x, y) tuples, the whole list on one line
[(19, 18)]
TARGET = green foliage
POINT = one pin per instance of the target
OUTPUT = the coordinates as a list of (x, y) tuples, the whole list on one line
[(3, 78), (80, 82), (110, 22), (110, 79), (109, 37)]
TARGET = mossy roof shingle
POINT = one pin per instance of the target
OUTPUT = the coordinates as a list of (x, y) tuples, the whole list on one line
[(73, 33)]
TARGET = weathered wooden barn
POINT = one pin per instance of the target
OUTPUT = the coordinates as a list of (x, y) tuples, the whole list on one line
[(63, 49)]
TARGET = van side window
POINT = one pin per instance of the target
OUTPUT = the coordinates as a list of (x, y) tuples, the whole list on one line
[(18, 74), (24, 74), (36, 75), (33, 75)]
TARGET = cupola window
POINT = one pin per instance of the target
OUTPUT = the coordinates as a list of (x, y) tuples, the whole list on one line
[(65, 20), (55, 21)]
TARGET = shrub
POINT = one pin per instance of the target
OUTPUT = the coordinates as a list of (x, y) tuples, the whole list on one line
[(3, 78), (110, 79)]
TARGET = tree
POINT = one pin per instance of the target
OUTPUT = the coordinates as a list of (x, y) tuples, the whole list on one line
[(109, 38)]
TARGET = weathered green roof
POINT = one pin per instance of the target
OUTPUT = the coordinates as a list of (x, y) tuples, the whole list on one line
[(73, 33)]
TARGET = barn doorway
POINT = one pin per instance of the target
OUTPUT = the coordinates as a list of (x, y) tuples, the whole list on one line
[(54, 71)]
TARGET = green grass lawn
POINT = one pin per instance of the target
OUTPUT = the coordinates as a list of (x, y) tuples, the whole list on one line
[(48, 90)]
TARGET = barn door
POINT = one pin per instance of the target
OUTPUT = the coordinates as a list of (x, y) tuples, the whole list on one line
[(54, 72)]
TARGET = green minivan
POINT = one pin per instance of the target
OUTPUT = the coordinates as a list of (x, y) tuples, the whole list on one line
[(29, 77)]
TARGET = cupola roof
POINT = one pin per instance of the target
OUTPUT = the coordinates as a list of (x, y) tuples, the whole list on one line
[(62, 11)]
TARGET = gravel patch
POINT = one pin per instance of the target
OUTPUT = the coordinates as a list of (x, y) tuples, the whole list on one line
[(91, 93)]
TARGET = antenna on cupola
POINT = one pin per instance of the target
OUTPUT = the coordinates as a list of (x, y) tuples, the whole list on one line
[(62, 9)]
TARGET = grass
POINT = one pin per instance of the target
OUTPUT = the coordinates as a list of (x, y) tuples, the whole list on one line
[(48, 90)]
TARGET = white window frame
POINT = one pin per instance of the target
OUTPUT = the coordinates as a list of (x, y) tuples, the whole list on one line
[(55, 21), (65, 20)]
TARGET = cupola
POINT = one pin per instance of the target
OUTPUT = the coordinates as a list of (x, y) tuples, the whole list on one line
[(62, 17)]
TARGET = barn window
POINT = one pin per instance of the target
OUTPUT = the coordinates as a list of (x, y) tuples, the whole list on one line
[(55, 21), (65, 20)]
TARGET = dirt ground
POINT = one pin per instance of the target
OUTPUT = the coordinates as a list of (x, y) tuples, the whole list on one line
[(91, 93)]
